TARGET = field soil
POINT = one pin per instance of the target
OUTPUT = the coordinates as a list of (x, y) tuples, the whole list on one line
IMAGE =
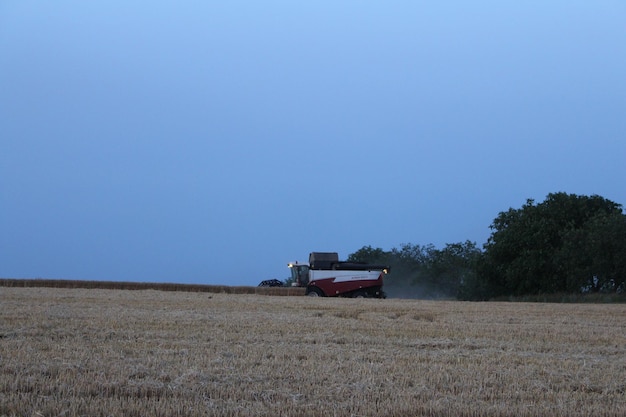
[(102, 352)]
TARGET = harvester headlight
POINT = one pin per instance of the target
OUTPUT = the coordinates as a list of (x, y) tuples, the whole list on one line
[(385, 271)]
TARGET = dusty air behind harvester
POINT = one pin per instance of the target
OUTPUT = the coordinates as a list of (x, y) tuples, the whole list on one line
[(326, 276)]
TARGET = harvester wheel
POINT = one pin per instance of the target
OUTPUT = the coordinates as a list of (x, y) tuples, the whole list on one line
[(313, 292), (359, 294)]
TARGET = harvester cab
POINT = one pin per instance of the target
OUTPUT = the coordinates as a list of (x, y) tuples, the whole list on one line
[(299, 274)]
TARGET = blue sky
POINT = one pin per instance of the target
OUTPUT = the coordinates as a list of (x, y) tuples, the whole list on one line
[(213, 142)]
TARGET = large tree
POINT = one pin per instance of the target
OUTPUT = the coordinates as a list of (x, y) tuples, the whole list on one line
[(568, 243)]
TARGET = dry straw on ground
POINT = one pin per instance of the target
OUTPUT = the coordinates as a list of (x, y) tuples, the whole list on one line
[(95, 352)]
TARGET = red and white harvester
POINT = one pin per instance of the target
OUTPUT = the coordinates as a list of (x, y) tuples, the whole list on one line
[(326, 276)]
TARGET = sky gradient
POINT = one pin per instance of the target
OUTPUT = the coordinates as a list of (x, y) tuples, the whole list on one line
[(213, 142)]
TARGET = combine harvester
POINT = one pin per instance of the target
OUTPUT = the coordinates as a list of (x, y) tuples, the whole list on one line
[(326, 276)]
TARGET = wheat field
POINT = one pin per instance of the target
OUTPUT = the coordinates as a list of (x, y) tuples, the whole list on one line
[(95, 352)]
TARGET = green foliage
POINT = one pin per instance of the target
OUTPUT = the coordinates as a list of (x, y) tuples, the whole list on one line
[(455, 266), (425, 271), (566, 244), (368, 254), (594, 256)]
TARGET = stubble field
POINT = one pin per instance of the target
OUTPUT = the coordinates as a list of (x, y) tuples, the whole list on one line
[(94, 352)]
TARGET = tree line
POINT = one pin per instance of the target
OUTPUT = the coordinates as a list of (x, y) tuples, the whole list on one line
[(567, 244)]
